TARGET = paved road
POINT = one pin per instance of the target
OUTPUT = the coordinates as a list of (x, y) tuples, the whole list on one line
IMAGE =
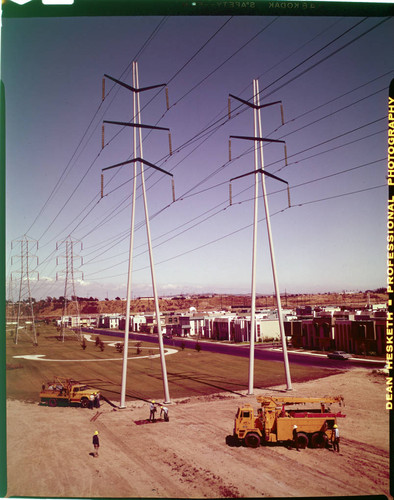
[(261, 352)]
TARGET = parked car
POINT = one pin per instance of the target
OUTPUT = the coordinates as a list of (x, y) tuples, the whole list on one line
[(339, 355)]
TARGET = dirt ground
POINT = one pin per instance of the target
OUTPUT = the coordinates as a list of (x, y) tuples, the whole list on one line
[(50, 449)]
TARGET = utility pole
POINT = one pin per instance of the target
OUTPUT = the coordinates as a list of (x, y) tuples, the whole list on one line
[(138, 126), (24, 284), (69, 280), (258, 140)]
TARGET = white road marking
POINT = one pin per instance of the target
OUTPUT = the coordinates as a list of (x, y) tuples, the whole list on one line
[(41, 357)]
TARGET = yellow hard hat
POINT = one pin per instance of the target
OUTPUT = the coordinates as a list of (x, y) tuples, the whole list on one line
[(153, 401), (335, 426), (96, 432)]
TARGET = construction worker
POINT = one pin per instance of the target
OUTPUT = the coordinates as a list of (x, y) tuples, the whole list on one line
[(152, 411), (335, 438), (295, 437), (164, 409), (96, 443)]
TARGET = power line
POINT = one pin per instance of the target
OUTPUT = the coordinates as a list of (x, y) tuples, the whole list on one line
[(92, 209), (226, 60), (328, 56), (238, 203), (178, 149), (248, 226), (64, 173), (317, 154), (199, 50)]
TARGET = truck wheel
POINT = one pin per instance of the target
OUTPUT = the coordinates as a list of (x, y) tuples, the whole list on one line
[(252, 440), (319, 440), (84, 403), (52, 402), (302, 440)]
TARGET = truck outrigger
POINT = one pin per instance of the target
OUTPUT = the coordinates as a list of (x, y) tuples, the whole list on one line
[(274, 422)]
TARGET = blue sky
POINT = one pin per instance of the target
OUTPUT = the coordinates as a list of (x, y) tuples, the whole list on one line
[(332, 75)]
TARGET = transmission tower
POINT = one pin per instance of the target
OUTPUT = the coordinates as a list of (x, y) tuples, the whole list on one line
[(137, 125), (69, 283), (24, 288), (258, 140), (10, 311)]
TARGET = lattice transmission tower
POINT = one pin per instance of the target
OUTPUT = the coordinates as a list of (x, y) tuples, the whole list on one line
[(71, 322), (25, 310)]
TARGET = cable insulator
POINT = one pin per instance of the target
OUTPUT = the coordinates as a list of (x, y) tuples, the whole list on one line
[(282, 114), (285, 155), (288, 195), (170, 143), (229, 109), (173, 190), (230, 192), (102, 137), (103, 96), (167, 100), (229, 150), (102, 185)]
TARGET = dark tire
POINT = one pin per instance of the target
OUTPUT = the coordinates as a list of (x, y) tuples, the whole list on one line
[(319, 440), (252, 440), (84, 403), (52, 402), (231, 440), (303, 440)]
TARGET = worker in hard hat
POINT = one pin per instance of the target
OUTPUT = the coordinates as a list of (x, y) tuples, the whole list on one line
[(295, 437), (152, 411), (96, 443), (164, 411), (335, 438)]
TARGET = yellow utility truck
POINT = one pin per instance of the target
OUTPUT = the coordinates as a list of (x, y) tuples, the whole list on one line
[(65, 391), (275, 422)]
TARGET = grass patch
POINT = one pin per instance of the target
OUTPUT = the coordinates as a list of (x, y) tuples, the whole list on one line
[(190, 373)]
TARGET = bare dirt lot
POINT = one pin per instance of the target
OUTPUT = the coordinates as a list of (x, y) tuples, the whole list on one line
[(50, 449)]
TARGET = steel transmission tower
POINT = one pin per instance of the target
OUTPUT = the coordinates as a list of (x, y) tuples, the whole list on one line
[(24, 285), (137, 145), (69, 281), (258, 140), (10, 310)]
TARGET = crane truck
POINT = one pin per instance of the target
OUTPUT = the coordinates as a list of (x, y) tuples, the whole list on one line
[(65, 391), (275, 421)]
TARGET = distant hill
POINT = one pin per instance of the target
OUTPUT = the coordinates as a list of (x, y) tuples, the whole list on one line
[(54, 307)]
